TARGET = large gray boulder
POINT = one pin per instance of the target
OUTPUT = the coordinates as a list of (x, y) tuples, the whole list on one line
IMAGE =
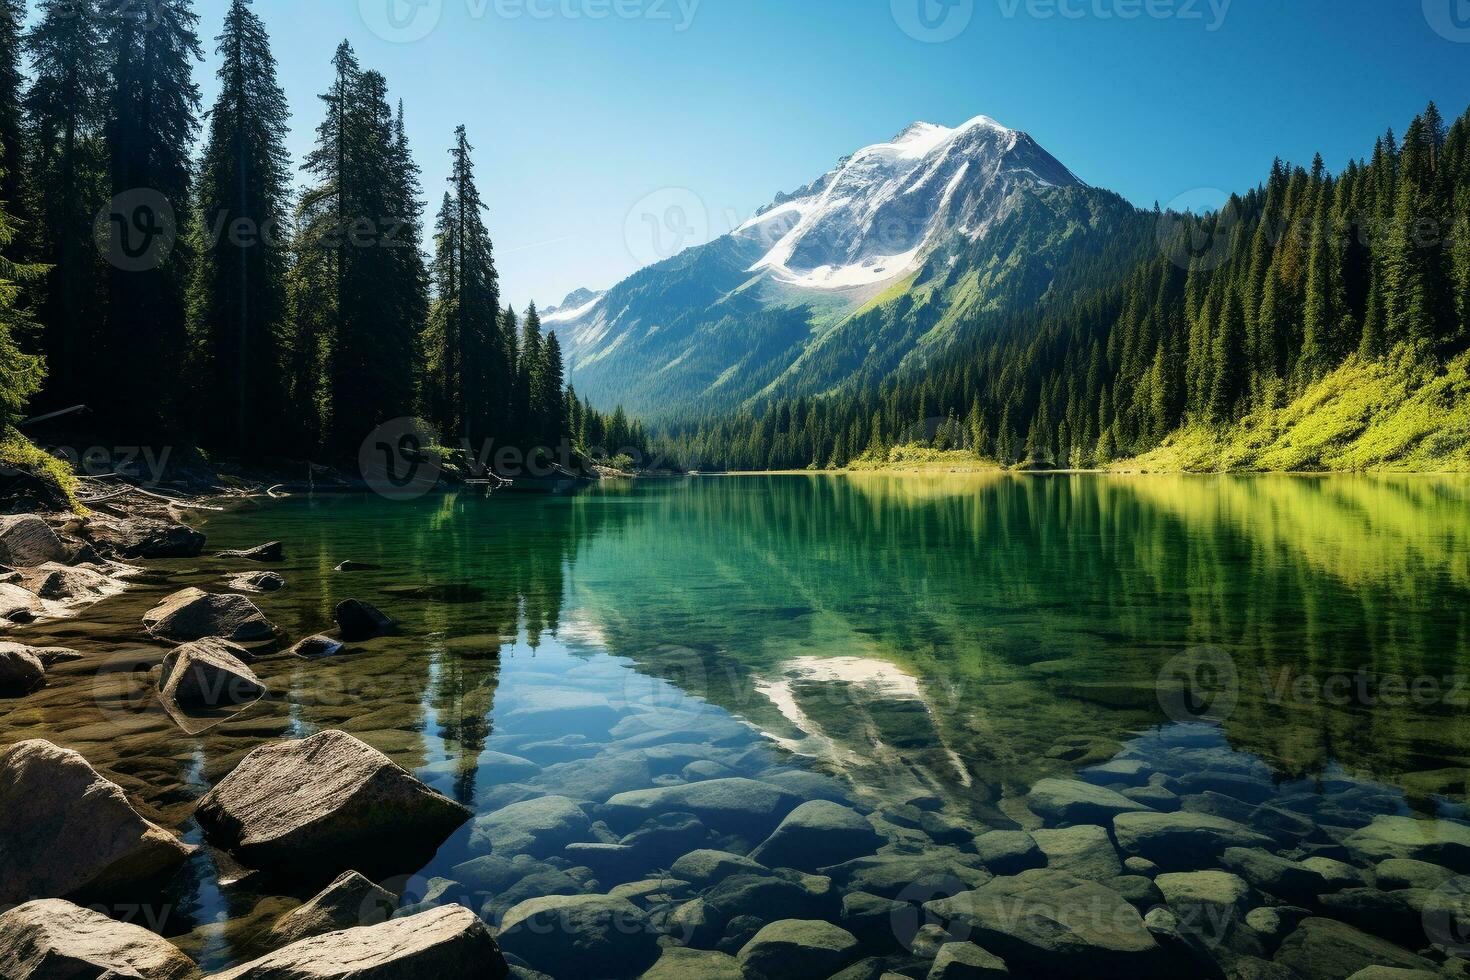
[(797, 948), (1054, 924), (48, 656), (746, 807), (18, 605), (1442, 842), (448, 943), (912, 877), (581, 936), (1181, 841), (1328, 948), (966, 961), (326, 803), (1275, 875), (66, 832), (541, 828), (26, 541), (52, 939), (817, 834), (1085, 851), (194, 614), (208, 673), (349, 901), (141, 538), (1069, 801), (21, 671), (705, 867), (62, 583)]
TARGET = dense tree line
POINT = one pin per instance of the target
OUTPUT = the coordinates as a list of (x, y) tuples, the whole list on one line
[(1237, 310), (205, 299)]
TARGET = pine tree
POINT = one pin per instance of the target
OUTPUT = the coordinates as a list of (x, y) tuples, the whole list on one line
[(12, 132), (1229, 358), (553, 418), (238, 307), (532, 383), (21, 374)]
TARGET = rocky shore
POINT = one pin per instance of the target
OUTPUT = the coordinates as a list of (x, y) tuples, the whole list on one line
[(614, 838)]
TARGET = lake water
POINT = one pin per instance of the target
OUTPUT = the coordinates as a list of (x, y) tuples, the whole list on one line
[(923, 648)]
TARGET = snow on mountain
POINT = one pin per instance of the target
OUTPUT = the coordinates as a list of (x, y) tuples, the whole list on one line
[(579, 303)]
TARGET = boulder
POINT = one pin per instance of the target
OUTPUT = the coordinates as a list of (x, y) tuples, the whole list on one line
[(348, 902), (1127, 772), (1441, 842), (448, 943), (581, 936), (1009, 852), (1274, 875), (52, 939), (316, 646), (26, 541), (1137, 890), (1396, 873), (1392, 973), (21, 671), (1051, 923), (61, 583), (1071, 801), (705, 867), (539, 827), (767, 897), (48, 656), (18, 605), (694, 964), (1207, 903), (270, 552), (1085, 851), (1181, 841), (966, 961), (139, 538), (1337, 874), (875, 920), (257, 582), (357, 621), (817, 834), (938, 872), (193, 614), (208, 673), (1328, 948), (66, 832), (797, 947), (744, 807), (323, 804)]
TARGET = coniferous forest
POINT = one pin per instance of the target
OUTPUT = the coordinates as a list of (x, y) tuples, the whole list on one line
[(1236, 312), (167, 265)]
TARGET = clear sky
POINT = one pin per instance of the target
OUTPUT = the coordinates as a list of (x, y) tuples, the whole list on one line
[(581, 109)]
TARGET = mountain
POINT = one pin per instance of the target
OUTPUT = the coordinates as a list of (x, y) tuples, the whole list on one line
[(884, 260)]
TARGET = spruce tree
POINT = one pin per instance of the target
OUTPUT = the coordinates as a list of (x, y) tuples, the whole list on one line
[(1229, 381), (553, 414), (238, 304), (21, 374), (12, 130)]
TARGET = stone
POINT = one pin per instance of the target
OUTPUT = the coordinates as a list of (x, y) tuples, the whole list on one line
[(1180, 841), (137, 538), (258, 582), (1140, 866), (357, 566), (695, 924), (67, 832), (62, 583), (351, 900), (1009, 852), (270, 552), (1337, 874), (744, 807), (676, 963), (766, 897), (912, 877), (539, 827), (581, 935), (1051, 923), (21, 671), (448, 943), (1392, 973), (1207, 903), (193, 614), (873, 919), (1129, 772), (1274, 875), (1441, 842), (1155, 798), (314, 647), (1071, 801), (52, 939), (739, 931), (1247, 789), (1328, 948), (1274, 924), (817, 834), (705, 867), (1137, 891), (48, 656), (208, 673), (358, 620), (1085, 851), (1397, 916), (26, 541), (540, 883), (797, 947), (966, 961), (18, 605), (943, 830), (326, 803), (1396, 873)]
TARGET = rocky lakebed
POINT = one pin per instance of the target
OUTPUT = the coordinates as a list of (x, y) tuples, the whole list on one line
[(190, 788)]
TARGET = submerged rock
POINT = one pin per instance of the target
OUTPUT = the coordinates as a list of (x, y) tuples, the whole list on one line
[(257, 582), (796, 947), (1327, 948), (347, 902), (316, 646), (581, 935), (1070, 801), (327, 802), (817, 834), (1441, 842), (966, 961), (677, 963), (194, 614), (912, 877), (270, 552), (1009, 852), (48, 656), (705, 867), (448, 943), (209, 673), (539, 827), (21, 671), (26, 541), (1085, 851), (358, 620), (745, 807), (1181, 841), (52, 939), (66, 832)]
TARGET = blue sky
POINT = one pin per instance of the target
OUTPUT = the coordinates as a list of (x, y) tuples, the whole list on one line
[(581, 109)]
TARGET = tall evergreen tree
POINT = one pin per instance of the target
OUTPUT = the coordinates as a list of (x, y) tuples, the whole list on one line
[(12, 125), (21, 374), (239, 295)]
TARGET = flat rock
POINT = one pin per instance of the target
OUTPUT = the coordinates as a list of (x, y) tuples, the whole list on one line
[(581, 936), (270, 552), (539, 827), (62, 583), (797, 947), (1181, 841), (347, 902), (1128, 772), (52, 939), (257, 582), (19, 605), (1328, 948), (1274, 875), (1054, 924), (141, 538), (745, 807), (913, 877), (1396, 873), (677, 963), (48, 656), (1205, 900), (21, 671), (766, 897), (817, 834), (448, 943), (26, 540), (325, 803), (194, 614), (208, 673), (1071, 801), (1009, 852), (705, 867), (358, 620), (1085, 851), (67, 832), (1392, 973), (966, 961), (1442, 842)]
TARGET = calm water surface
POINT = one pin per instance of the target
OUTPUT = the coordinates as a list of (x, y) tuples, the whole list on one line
[(949, 637)]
